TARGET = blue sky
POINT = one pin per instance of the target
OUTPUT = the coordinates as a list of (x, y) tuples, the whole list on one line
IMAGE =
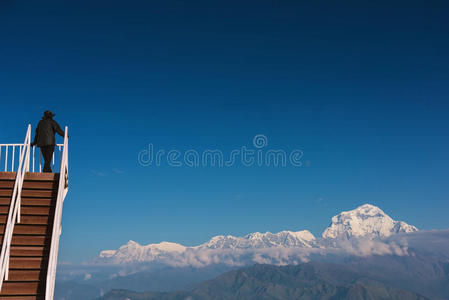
[(360, 87)]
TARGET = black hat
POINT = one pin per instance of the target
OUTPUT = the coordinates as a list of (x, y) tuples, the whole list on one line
[(48, 113)]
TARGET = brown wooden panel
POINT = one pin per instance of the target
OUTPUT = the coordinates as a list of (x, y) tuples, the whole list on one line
[(29, 251), (3, 218), (5, 200), (7, 184), (49, 185), (25, 275), (41, 176), (30, 220), (39, 193), (20, 288), (31, 207), (8, 175), (35, 210), (29, 240), (27, 229), (38, 201), (4, 209), (27, 262), (35, 297), (6, 193)]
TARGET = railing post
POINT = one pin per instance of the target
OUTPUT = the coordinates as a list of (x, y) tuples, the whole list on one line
[(6, 158), (27, 147), (34, 148), (13, 152)]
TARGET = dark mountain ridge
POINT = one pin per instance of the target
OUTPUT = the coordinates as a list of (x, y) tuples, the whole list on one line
[(305, 281)]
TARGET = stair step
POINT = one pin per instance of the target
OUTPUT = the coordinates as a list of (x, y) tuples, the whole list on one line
[(30, 201), (26, 229), (28, 240), (48, 185), (5, 193), (39, 193), (8, 175), (5, 200), (7, 184), (30, 219), (27, 262), (29, 210), (20, 288), (39, 201), (29, 250), (36, 210), (33, 297), (25, 275), (30, 193), (41, 176)]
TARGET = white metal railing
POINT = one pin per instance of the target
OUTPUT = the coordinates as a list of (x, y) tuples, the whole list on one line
[(14, 209), (62, 192), (8, 154)]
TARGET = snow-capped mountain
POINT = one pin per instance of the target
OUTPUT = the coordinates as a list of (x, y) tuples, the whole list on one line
[(365, 221), (284, 238), (134, 252)]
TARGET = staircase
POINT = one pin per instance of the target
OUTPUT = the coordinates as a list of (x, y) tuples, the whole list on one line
[(31, 237), (30, 225)]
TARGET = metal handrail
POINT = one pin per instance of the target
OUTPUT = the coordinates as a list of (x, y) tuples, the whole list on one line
[(62, 192), (14, 209), (10, 164)]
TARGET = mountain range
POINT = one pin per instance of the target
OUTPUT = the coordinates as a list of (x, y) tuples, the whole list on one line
[(366, 221), (386, 259), (263, 282)]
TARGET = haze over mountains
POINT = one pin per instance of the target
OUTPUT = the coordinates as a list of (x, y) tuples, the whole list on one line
[(381, 256), (305, 281)]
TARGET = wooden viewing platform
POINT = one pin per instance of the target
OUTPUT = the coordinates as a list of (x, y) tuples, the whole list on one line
[(30, 220)]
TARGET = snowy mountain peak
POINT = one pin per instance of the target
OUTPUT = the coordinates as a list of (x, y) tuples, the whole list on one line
[(366, 220), (132, 243), (262, 240), (167, 246), (134, 252), (303, 234), (369, 209)]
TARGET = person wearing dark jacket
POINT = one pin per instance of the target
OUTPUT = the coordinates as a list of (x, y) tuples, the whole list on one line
[(45, 138)]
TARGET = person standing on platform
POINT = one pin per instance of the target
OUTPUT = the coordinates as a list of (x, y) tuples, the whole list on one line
[(45, 138)]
